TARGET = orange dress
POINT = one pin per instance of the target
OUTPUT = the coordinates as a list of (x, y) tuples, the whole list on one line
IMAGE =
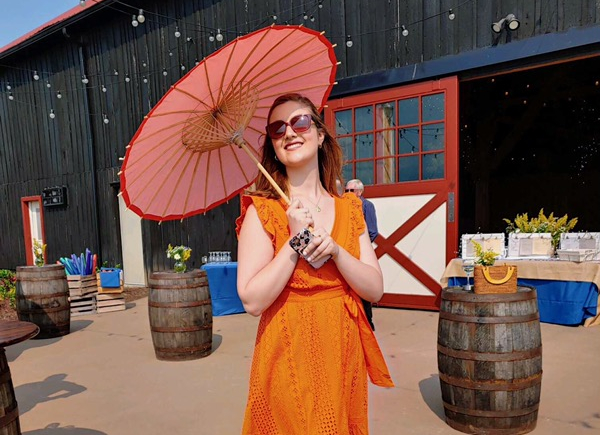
[(314, 346)]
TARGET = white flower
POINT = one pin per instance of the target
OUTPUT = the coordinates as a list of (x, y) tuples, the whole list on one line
[(177, 257), (38, 251)]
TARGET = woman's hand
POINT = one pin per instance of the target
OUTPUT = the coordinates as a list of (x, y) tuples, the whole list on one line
[(299, 217), (321, 246)]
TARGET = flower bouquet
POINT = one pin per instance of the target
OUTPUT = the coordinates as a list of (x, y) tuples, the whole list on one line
[(180, 254), (39, 252), (489, 278)]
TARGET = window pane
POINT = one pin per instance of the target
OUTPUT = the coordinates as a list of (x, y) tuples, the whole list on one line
[(385, 115), (364, 146), (433, 137), (385, 143), (433, 107), (409, 111), (363, 118), (343, 122), (346, 144), (364, 172), (433, 166), (409, 140), (409, 168), (347, 173), (386, 171)]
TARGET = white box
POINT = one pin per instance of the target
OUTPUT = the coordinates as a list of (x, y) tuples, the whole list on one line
[(530, 245), (581, 241), (492, 241), (577, 255)]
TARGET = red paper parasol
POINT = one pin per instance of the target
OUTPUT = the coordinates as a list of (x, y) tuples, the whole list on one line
[(198, 147)]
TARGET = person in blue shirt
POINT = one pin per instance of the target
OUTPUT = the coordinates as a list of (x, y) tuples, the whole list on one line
[(356, 186)]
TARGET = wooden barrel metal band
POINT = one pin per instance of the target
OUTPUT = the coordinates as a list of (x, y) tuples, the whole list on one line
[(493, 385), (11, 413), (204, 347), (489, 431), (59, 277), (181, 328), (178, 304), (193, 285), (46, 296), (490, 356), (45, 310), (503, 414), (504, 297), (489, 320)]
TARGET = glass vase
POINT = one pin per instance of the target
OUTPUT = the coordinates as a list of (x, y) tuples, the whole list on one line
[(39, 262), (180, 267)]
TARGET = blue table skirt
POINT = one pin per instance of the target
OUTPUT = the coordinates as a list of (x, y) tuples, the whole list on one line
[(561, 302), (222, 283)]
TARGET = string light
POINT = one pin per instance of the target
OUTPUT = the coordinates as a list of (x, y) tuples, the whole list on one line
[(82, 3), (219, 36), (196, 62), (170, 53), (141, 18), (58, 95), (127, 78), (36, 76), (404, 30), (451, 15), (48, 85), (104, 88), (52, 115), (211, 37), (105, 120), (84, 80), (177, 32), (305, 16), (8, 87), (165, 73), (10, 96), (312, 18), (182, 67), (274, 17), (320, 4), (145, 79), (115, 72), (189, 39), (349, 42), (134, 21)]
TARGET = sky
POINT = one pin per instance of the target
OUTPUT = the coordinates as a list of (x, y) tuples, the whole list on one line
[(18, 17)]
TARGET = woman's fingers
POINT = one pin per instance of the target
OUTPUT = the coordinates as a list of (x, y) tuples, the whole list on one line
[(322, 245), (299, 217)]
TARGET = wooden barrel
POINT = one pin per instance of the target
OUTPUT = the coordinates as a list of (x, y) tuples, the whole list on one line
[(9, 418), (43, 299), (490, 360), (180, 312)]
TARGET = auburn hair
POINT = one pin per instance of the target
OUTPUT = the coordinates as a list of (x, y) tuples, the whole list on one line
[(329, 155)]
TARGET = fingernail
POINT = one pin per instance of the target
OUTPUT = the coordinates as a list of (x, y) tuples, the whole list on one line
[(304, 252)]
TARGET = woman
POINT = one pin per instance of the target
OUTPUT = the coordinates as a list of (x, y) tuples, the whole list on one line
[(314, 346)]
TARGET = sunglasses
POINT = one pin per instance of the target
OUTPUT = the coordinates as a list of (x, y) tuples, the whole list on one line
[(299, 123), (349, 190)]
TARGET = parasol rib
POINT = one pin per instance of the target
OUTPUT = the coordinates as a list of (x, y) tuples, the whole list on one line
[(181, 173)]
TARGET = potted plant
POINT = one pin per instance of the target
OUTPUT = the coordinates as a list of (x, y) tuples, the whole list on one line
[(489, 278), (180, 254)]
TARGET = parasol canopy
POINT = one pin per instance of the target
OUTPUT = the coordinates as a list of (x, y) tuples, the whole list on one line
[(198, 147)]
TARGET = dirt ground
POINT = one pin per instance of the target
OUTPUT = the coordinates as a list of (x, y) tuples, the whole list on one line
[(131, 294)]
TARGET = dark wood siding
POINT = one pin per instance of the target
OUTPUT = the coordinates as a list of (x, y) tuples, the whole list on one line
[(79, 150)]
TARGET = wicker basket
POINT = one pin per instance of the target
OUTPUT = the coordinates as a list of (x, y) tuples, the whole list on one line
[(495, 279)]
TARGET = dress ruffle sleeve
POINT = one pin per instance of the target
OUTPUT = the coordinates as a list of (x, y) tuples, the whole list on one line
[(262, 209)]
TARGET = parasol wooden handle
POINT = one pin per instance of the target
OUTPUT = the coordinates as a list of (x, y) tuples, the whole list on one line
[(242, 144)]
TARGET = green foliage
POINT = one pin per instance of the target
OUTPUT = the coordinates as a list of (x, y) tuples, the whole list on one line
[(8, 286), (541, 224), (484, 258)]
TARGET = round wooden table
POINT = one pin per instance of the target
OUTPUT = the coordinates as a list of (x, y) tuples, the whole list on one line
[(11, 332)]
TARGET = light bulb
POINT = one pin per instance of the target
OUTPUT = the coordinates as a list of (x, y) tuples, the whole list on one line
[(82, 3), (349, 42), (274, 17), (305, 16), (404, 30), (145, 80), (105, 120), (177, 32), (127, 78), (58, 95), (182, 67), (134, 21), (52, 115), (312, 18), (170, 53), (320, 4), (144, 64), (8, 87), (451, 15), (36, 76), (165, 72), (103, 88), (141, 18), (116, 72), (48, 85), (11, 96), (84, 80), (219, 35), (197, 62), (211, 37)]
